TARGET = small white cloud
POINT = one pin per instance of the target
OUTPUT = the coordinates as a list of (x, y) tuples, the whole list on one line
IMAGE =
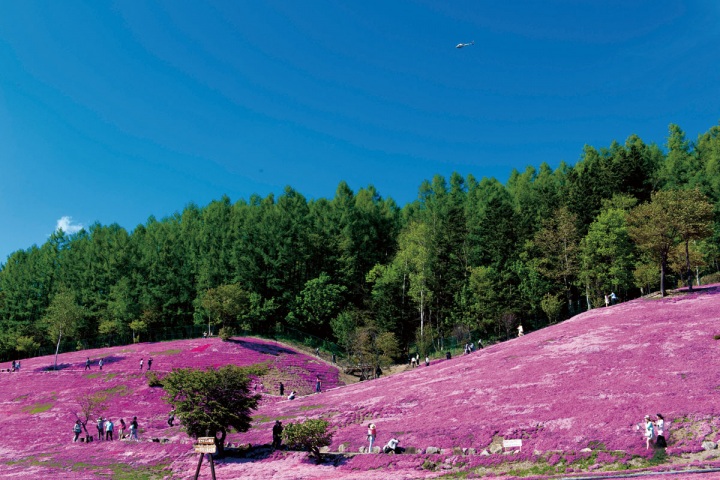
[(65, 224)]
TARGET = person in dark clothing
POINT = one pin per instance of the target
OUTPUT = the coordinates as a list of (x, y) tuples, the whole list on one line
[(171, 418), (149, 363), (100, 423), (282, 389), (277, 434), (87, 364)]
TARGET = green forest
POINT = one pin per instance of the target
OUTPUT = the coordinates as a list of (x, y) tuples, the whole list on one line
[(467, 257)]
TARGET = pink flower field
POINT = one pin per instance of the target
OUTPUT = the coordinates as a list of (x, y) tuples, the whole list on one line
[(572, 392)]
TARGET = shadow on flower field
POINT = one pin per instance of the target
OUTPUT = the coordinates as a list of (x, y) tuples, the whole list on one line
[(571, 394)]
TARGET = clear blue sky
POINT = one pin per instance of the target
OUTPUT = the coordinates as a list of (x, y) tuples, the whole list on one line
[(112, 112)]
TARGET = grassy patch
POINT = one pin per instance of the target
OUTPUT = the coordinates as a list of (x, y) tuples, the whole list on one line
[(124, 471), (171, 351), (38, 408), (266, 419), (118, 390), (310, 407), (93, 375), (21, 398)]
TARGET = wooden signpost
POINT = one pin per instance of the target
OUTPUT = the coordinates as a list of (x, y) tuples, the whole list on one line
[(205, 445)]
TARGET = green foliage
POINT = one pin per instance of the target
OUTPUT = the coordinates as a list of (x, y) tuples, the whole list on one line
[(552, 306), (309, 435), (318, 302), (211, 401), (138, 327), (26, 344), (226, 304), (225, 333), (153, 379), (62, 318)]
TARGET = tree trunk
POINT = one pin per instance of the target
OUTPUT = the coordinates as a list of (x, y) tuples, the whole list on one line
[(687, 262), (220, 443), (57, 350), (662, 277)]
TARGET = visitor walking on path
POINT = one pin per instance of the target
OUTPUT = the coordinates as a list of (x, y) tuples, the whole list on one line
[(123, 427), (317, 384), (87, 364), (100, 363), (520, 330), (372, 433), (76, 430), (141, 363), (282, 389), (149, 363)]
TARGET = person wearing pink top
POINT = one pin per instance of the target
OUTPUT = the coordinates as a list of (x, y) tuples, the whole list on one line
[(372, 433)]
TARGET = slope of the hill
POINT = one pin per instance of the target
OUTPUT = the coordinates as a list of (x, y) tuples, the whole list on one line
[(579, 385)]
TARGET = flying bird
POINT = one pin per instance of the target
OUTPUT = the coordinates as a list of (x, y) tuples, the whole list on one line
[(461, 45)]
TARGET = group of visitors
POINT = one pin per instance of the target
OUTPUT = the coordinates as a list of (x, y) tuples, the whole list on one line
[(653, 431), (106, 429), (610, 299), (101, 362), (15, 367)]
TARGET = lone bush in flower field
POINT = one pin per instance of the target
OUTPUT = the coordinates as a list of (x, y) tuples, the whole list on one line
[(210, 401), (309, 435)]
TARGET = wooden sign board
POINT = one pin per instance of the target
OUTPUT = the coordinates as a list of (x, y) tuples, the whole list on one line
[(205, 445)]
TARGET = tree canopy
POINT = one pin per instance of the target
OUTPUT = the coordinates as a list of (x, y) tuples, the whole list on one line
[(209, 402), (468, 253)]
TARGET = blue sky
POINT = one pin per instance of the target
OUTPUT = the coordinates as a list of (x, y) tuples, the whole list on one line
[(112, 112)]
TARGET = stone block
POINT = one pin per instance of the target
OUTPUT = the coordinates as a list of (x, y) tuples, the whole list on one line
[(432, 450), (709, 445)]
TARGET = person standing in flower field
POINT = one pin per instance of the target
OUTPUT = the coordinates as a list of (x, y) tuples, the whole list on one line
[(141, 363), (649, 431), (149, 363), (87, 364), (76, 430), (109, 427), (372, 433), (134, 429), (282, 389), (100, 424), (660, 426), (520, 330), (123, 427), (317, 384), (100, 363)]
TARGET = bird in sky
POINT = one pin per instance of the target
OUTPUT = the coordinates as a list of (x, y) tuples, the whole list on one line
[(461, 45)]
